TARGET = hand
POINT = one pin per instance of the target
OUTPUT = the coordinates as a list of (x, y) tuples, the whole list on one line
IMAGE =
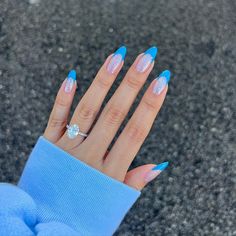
[(93, 149)]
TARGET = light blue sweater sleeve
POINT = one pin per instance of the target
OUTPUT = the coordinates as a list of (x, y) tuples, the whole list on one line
[(60, 195)]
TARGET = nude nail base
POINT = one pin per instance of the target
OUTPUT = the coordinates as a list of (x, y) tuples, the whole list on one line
[(155, 171), (161, 82)]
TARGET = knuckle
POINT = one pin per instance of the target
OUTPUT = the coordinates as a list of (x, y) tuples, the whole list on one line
[(150, 105), (136, 133), (87, 112), (133, 82), (55, 123), (103, 83), (61, 102), (114, 115)]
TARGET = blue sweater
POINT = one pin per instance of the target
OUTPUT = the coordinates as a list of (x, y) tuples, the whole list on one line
[(62, 196)]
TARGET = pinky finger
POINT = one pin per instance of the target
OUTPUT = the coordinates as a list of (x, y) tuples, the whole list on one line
[(58, 118), (140, 176)]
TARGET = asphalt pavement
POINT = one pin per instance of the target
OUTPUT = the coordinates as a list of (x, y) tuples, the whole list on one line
[(40, 40)]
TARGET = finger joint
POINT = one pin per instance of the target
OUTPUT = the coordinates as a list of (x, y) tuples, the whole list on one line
[(57, 123), (102, 82), (114, 115), (87, 112), (133, 82), (150, 105), (136, 133)]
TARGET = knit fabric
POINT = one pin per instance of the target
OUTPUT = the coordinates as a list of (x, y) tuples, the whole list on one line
[(60, 195)]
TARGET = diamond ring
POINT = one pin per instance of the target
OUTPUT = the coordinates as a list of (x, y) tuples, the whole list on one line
[(73, 131)]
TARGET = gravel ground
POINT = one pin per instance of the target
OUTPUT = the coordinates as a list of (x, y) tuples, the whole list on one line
[(40, 40)]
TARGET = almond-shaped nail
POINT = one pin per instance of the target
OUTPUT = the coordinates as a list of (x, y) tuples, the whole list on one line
[(70, 81), (116, 59), (155, 171), (146, 60), (161, 81)]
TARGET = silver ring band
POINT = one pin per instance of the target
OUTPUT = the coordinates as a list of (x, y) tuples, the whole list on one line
[(73, 131)]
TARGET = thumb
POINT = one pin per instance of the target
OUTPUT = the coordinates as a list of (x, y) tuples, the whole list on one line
[(140, 176)]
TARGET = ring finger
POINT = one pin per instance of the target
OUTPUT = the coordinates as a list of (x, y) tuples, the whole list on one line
[(89, 106)]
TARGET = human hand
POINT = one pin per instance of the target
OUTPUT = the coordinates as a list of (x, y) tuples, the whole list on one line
[(93, 149)]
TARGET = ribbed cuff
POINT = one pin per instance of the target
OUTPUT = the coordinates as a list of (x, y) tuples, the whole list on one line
[(67, 190)]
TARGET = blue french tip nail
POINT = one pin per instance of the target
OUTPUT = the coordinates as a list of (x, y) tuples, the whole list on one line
[(166, 74), (72, 74), (152, 51), (122, 51), (161, 166)]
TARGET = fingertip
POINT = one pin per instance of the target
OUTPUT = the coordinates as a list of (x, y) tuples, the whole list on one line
[(166, 74), (140, 176), (122, 51), (72, 74), (135, 178)]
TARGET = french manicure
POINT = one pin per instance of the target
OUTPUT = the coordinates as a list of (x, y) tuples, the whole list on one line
[(70, 81), (161, 81), (116, 59), (155, 171), (146, 60)]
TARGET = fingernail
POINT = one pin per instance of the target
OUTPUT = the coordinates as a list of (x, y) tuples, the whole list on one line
[(70, 81), (146, 60), (155, 171), (161, 81), (116, 59)]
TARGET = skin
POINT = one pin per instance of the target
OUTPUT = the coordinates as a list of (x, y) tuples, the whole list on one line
[(93, 149)]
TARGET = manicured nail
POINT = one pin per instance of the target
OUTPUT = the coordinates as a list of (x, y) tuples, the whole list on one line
[(155, 171), (161, 81), (116, 59), (146, 60), (70, 81)]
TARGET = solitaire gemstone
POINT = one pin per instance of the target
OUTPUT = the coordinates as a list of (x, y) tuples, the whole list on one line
[(73, 131)]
